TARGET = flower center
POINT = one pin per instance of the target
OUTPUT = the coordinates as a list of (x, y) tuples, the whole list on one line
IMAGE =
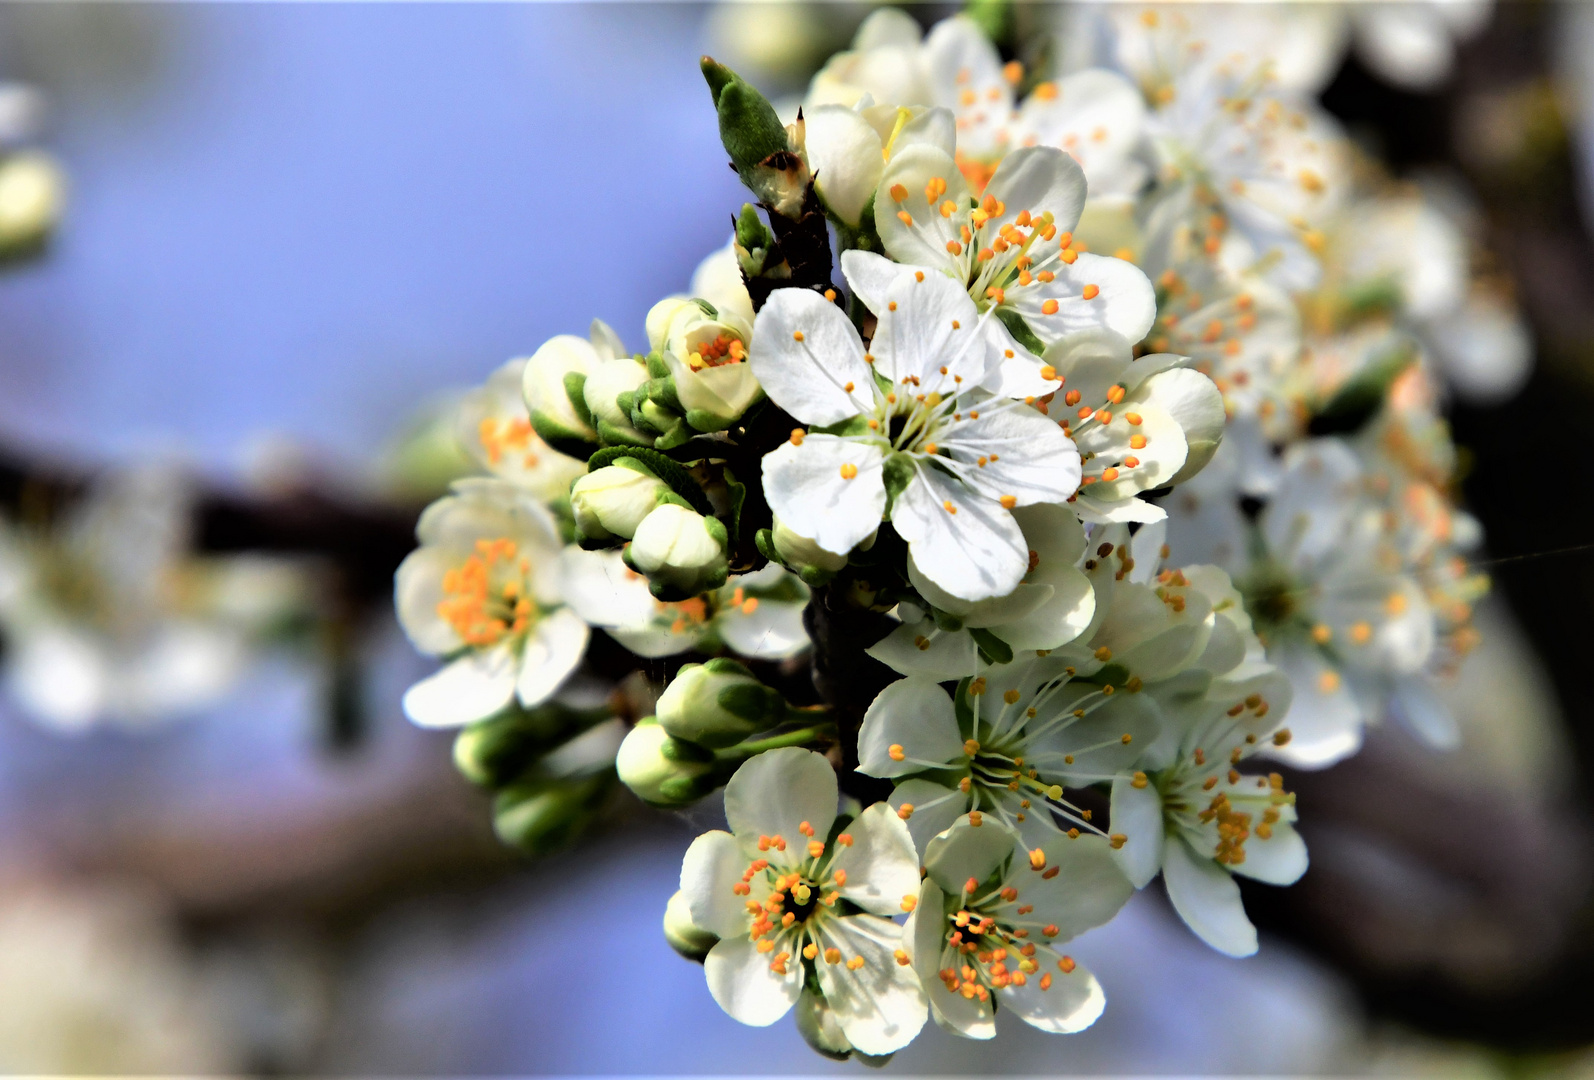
[(987, 943), (722, 350), (1212, 798), (501, 437), (484, 597), (791, 921)]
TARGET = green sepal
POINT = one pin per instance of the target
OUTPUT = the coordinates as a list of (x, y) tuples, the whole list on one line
[(680, 434), (1020, 330), (610, 436), (763, 539), (738, 493), (576, 391), (576, 444), (661, 391), (705, 421), (755, 704), (657, 368), (993, 650), (896, 473), (716, 529), (665, 468)]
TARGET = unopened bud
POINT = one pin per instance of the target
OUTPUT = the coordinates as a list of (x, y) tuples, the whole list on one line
[(542, 815), (602, 391), (663, 770), (681, 552), (553, 385), (717, 704), (684, 935), (806, 559), (611, 502)]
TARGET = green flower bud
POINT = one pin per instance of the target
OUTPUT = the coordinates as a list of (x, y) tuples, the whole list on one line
[(662, 770), (611, 502), (718, 704), (806, 559), (684, 935), (681, 552), (601, 393), (540, 816)]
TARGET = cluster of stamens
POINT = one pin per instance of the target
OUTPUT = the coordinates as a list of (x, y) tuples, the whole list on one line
[(1191, 794), (483, 605), (789, 922), (987, 944), (724, 349), (997, 776), (501, 437)]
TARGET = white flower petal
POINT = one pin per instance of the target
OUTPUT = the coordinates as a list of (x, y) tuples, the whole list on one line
[(418, 590), (1126, 303), (744, 985), (1324, 720), (966, 544), (915, 714), (1137, 814), (1088, 890), (712, 867), (946, 655), (880, 1006), (967, 851), (926, 326), (843, 152), (923, 240), (603, 590), (1027, 455), (805, 483), (553, 651), (1096, 115), (872, 276), (773, 793), (1072, 1002), (1040, 179), (804, 351), (1278, 860), (1207, 899), (772, 631), (468, 689), (935, 808), (882, 863)]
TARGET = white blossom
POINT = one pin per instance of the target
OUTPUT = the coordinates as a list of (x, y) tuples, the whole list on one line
[(482, 591), (990, 916), (769, 889), (905, 430)]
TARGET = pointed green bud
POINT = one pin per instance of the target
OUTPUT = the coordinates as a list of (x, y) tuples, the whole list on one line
[(718, 704), (611, 502), (662, 770), (685, 936), (751, 232)]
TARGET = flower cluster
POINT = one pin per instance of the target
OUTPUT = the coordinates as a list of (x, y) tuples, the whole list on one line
[(1082, 427)]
